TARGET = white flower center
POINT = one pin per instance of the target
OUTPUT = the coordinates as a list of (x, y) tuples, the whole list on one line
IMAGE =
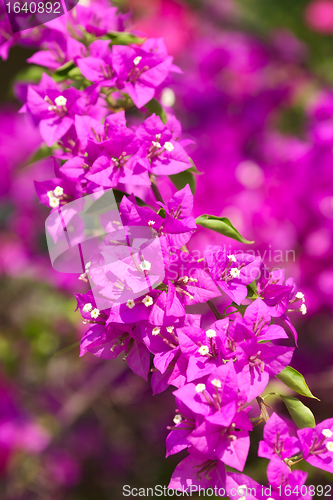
[(170, 329), (169, 146), (329, 446), (203, 350), (87, 308), (303, 309), (145, 265), (234, 272), (60, 100), (147, 301), (216, 382), (232, 258), (151, 223), (130, 303), (210, 333), (54, 202), (58, 191), (327, 433), (156, 144), (50, 194), (88, 264), (177, 419), (95, 313), (300, 295), (137, 60), (156, 330), (200, 387)]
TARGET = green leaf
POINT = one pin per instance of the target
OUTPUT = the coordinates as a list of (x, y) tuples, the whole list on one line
[(123, 38), (252, 291), (295, 380), (32, 73), (221, 225), (43, 152), (63, 70), (301, 414), (241, 309), (75, 74), (161, 212), (180, 180), (194, 169), (154, 106)]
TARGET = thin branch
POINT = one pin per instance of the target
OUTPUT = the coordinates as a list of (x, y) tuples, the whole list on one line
[(155, 189), (214, 310), (263, 412)]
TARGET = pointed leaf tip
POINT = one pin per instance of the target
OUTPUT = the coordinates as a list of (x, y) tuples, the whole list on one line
[(295, 380), (301, 414)]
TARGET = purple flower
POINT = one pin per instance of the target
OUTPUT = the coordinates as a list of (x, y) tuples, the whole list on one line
[(101, 19), (239, 486), (277, 440), (232, 272), (285, 483), (185, 422), (175, 374), (106, 340), (53, 109), (179, 223), (255, 362), (174, 230), (97, 67), (140, 70), (229, 445), (215, 398), (317, 445), (203, 348), (257, 317), (160, 150), (58, 191), (110, 153), (163, 341), (60, 49), (271, 289), (193, 284), (200, 470)]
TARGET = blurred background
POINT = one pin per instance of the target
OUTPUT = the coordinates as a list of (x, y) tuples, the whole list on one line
[(257, 97)]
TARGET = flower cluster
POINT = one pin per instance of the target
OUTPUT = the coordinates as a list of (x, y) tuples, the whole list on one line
[(99, 108)]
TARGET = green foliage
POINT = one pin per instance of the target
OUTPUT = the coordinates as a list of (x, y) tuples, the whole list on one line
[(32, 73), (301, 414), (154, 106), (221, 225), (186, 177), (43, 152), (161, 213), (123, 38), (295, 380), (67, 71)]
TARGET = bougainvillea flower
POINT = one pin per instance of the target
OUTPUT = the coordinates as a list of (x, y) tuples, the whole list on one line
[(277, 440)]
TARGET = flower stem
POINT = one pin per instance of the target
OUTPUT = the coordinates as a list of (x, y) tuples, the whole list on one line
[(263, 412), (155, 190)]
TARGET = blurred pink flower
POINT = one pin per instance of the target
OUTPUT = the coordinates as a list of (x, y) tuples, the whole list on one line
[(319, 15)]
